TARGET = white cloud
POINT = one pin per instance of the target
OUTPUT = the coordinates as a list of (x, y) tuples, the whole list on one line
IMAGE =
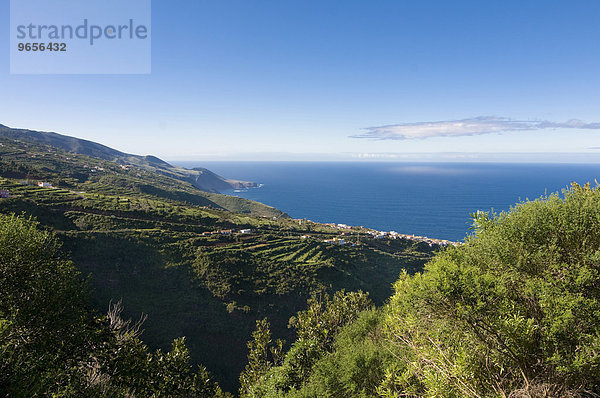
[(465, 127)]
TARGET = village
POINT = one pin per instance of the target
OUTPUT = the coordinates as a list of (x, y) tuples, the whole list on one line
[(347, 231)]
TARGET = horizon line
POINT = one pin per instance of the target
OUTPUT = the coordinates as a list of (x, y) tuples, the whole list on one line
[(428, 157)]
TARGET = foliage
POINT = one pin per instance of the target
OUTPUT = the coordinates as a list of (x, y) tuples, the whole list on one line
[(356, 365), (262, 356), (514, 312), (325, 316), (316, 327), (51, 345), (41, 310)]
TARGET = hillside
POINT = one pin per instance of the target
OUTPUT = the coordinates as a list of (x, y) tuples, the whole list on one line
[(23, 156), (200, 178), (201, 265)]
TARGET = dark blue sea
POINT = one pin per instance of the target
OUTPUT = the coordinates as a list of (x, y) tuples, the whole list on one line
[(432, 200)]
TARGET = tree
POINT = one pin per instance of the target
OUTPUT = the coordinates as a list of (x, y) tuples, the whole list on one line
[(316, 328), (262, 356), (42, 312), (51, 345), (325, 315)]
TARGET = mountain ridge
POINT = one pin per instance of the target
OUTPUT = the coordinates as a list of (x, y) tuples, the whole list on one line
[(199, 177)]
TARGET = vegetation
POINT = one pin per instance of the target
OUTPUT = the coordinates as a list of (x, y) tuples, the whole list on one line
[(52, 345), (276, 375), (29, 161), (166, 249), (200, 178), (515, 312)]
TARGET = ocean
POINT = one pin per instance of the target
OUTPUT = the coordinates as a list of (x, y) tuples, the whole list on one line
[(426, 199)]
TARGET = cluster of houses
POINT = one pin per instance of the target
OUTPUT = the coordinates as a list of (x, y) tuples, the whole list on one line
[(338, 226), (334, 241), (396, 235), (5, 193), (338, 241), (382, 235), (387, 235), (42, 184), (226, 232)]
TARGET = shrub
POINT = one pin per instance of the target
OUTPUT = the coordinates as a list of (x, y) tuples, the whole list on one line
[(514, 312)]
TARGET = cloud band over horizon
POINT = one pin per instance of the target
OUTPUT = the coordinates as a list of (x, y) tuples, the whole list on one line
[(466, 127)]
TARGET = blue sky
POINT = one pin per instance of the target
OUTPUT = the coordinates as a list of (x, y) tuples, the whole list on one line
[(257, 80)]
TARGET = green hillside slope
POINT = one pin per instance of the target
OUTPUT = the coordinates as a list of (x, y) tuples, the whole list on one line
[(179, 255), (199, 177), (23, 159)]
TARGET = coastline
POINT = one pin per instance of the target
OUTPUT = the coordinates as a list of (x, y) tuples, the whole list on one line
[(346, 230)]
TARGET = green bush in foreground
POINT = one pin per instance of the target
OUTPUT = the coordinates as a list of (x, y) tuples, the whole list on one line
[(50, 345), (515, 312), (356, 365), (316, 327), (43, 324)]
